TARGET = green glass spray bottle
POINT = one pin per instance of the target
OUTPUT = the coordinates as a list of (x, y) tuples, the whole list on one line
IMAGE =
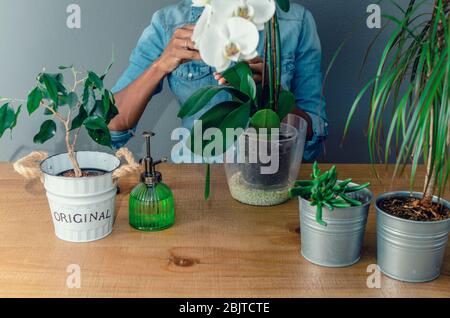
[(152, 206)]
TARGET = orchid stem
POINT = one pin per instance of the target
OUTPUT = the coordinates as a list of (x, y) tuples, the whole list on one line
[(278, 56), (274, 62), (269, 58)]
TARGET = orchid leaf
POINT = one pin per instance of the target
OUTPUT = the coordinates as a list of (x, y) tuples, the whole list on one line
[(265, 118)]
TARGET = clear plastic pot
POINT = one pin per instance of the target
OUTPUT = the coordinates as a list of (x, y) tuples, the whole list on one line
[(260, 168)]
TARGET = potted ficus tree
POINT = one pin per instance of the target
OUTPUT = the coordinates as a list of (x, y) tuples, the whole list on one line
[(412, 83), (81, 186), (264, 152), (333, 217)]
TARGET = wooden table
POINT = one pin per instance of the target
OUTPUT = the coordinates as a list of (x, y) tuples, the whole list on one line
[(218, 248)]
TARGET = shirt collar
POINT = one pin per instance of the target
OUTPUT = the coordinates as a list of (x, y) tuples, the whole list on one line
[(196, 12)]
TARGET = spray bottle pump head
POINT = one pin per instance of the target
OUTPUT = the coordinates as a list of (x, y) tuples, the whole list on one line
[(150, 176)]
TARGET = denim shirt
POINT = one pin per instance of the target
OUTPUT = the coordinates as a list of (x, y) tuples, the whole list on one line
[(301, 66)]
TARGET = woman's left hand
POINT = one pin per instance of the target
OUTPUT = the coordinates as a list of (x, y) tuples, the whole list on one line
[(256, 65)]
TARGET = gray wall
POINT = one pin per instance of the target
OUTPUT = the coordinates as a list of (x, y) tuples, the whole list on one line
[(33, 35)]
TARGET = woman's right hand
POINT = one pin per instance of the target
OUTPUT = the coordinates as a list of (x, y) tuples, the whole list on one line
[(181, 49)]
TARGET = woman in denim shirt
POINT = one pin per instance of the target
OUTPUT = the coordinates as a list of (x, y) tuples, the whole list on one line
[(165, 50)]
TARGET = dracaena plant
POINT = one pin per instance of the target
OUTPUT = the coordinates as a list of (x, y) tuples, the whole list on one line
[(227, 33), (86, 103), (324, 190), (412, 82)]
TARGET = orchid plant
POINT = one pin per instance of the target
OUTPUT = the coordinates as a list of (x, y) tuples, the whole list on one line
[(227, 35)]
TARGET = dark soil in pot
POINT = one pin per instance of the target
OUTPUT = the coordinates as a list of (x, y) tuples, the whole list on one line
[(251, 172), (85, 173), (413, 209)]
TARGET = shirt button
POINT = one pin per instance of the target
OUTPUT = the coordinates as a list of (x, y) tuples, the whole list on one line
[(190, 75)]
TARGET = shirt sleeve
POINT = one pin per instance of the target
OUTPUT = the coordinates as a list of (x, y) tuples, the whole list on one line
[(148, 49), (307, 85)]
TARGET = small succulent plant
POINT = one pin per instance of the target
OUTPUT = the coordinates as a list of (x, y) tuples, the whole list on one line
[(324, 190)]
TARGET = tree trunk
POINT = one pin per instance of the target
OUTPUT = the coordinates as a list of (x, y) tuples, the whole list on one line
[(72, 155), (430, 178)]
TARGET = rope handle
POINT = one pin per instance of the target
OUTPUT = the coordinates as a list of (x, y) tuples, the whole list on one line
[(29, 167), (130, 167)]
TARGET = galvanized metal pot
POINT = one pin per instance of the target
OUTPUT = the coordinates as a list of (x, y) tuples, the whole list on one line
[(339, 243), (83, 209), (410, 251)]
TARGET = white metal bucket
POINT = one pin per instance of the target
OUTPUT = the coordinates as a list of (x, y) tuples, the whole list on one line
[(83, 209)]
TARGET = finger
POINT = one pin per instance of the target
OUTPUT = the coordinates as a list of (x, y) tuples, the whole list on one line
[(189, 27), (182, 34), (256, 68), (220, 79), (222, 82), (257, 78), (186, 44), (187, 55), (256, 60)]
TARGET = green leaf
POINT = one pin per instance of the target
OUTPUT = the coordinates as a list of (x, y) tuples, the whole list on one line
[(284, 5), (99, 109), (96, 80), (8, 118), (357, 188), (236, 74), (88, 98), (34, 100), (208, 181), (78, 121), (238, 118), (113, 112), (108, 68), (98, 130), (102, 137), (319, 213), (351, 201), (95, 123), (62, 67), (51, 86), (107, 101), (286, 103), (265, 118), (16, 115), (46, 132), (211, 119), (105, 108), (203, 96), (248, 86), (215, 116), (72, 99)]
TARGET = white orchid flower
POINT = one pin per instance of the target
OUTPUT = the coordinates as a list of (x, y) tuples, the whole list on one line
[(200, 3), (201, 25), (234, 41), (257, 11)]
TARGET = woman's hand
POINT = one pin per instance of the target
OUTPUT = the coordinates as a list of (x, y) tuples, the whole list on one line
[(256, 65), (181, 49)]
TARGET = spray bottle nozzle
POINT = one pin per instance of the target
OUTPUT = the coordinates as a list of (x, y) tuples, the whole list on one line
[(150, 175)]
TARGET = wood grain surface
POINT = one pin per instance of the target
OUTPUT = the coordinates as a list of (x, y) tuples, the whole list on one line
[(218, 248)]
